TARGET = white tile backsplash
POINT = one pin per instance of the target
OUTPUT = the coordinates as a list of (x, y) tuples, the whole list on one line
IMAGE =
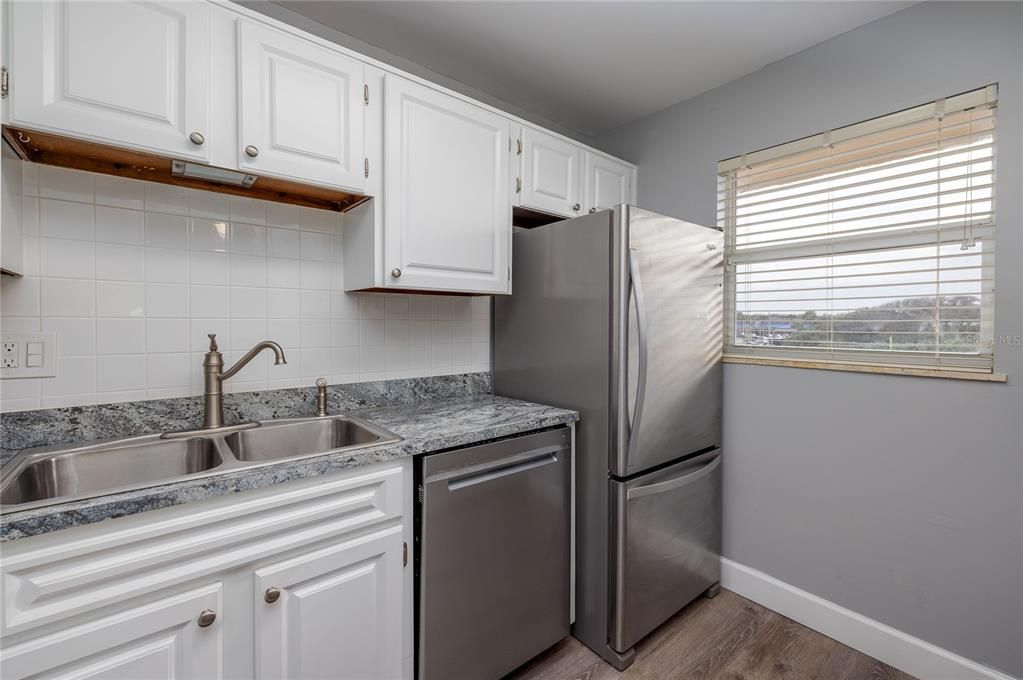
[(120, 263), (119, 336), (69, 259), (66, 297), (115, 299), (209, 235), (64, 219), (167, 300), (163, 198), (65, 184), (248, 239), (119, 192), (132, 276), (119, 225), (166, 231)]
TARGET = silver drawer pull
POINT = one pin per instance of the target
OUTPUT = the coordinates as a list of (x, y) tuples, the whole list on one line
[(668, 485), (501, 471)]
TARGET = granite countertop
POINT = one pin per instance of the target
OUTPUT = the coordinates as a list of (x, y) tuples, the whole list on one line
[(426, 426)]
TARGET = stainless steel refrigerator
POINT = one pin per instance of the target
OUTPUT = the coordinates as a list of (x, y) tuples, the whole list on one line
[(618, 315)]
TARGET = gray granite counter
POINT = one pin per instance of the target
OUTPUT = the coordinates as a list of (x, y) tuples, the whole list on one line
[(426, 425), (75, 424)]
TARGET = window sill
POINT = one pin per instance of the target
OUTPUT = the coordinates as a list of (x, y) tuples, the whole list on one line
[(894, 369)]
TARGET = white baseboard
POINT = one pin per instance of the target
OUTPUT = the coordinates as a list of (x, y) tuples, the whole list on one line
[(905, 652)]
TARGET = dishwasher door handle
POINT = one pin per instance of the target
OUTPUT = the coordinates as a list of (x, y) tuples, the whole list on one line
[(503, 468)]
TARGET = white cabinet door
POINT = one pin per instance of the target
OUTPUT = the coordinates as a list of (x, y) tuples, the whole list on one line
[(157, 639), (125, 74), (300, 112), (447, 206), (608, 182), (335, 612), (551, 170)]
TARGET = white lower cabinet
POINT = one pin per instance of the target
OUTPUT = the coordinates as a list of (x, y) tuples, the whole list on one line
[(332, 612), (308, 580), (159, 638)]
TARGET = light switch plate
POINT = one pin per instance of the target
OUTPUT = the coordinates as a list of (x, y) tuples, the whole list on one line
[(14, 355)]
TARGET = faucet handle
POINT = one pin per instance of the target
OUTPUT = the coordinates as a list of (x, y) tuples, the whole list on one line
[(321, 397), (213, 342)]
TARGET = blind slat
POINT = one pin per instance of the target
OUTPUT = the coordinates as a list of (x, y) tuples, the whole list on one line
[(857, 199), (870, 182)]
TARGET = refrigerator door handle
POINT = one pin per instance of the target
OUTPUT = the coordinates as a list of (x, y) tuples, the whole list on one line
[(636, 291), (668, 485)]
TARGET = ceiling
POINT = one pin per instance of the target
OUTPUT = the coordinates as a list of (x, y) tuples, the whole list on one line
[(592, 66)]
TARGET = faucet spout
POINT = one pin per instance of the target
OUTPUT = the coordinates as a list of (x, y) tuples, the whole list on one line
[(214, 375), (251, 354)]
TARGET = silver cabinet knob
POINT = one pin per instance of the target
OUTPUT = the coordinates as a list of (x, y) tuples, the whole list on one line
[(271, 595), (206, 618), (197, 138), (576, 207), (593, 210), (396, 273), (251, 151)]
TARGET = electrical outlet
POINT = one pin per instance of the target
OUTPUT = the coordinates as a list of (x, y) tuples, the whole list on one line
[(28, 355), (9, 355)]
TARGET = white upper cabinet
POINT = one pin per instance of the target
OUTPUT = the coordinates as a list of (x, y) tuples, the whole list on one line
[(446, 192), (125, 74), (608, 182), (300, 109), (334, 612), (551, 173)]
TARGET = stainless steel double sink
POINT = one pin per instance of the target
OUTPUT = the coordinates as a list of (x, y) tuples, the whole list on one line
[(58, 474)]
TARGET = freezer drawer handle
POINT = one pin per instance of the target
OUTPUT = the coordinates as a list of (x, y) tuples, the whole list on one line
[(661, 487), (641, 327), (545, 456)]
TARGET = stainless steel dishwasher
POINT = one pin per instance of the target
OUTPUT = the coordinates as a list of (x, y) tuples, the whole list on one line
[(493, 555)]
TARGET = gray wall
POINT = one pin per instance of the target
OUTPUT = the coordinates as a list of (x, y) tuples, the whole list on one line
[(899, 498)]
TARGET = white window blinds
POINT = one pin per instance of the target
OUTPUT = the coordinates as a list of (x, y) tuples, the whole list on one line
[(871, 243)]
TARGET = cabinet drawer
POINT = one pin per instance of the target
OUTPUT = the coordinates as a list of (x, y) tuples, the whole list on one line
[(72, 572)]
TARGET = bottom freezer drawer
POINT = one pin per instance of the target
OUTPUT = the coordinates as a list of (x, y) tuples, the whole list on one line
[(666, 545)]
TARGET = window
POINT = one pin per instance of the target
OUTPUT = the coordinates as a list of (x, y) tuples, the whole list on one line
[(872, 243)]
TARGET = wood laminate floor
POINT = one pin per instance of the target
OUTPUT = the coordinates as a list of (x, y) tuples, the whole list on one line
[(725, 638)]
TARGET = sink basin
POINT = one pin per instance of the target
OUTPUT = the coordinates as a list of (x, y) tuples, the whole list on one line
[(56, 475), (89, 470), (307, 437)]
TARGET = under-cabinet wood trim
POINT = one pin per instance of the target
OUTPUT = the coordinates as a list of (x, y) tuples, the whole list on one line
[(892, 369), (67, 152)]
